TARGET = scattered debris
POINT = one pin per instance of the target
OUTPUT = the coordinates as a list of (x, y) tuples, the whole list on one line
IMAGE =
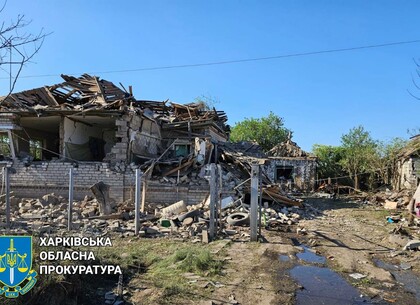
[(390, 205), (412, 245), (357, 276), (405, 266)]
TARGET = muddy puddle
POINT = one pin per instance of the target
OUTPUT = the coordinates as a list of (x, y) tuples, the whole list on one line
[(309, 256), (284, 258), (321, 285), (402, 275)]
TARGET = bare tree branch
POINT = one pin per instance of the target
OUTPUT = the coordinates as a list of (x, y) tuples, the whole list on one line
[(414, 81), (416, 97), (17, 47)]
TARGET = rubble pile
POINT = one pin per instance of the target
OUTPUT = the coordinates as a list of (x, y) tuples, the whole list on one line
[(383, 197), (98, 215), (48, 215), (192, 222), (391, 199)]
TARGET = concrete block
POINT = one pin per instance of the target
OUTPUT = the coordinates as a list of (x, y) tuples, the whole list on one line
[(390, 205)]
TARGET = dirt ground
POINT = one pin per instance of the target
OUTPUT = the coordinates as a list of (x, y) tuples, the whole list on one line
[(350, 236), (354, 236)]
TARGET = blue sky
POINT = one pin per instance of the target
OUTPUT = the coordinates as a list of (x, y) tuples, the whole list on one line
[(320, 97)]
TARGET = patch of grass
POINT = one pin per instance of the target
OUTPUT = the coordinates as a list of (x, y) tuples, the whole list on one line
[(158, 254), (165, 261), (198, 260), (159, 263), (189, 258), (364, 282)]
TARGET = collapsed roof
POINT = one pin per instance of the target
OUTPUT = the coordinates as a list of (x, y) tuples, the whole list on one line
[(73, 94), (90, 93), (288, 149), (411, 149)]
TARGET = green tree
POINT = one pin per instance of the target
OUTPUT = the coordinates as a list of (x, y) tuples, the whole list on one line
[(328, 160), (266, 131), (359, 152)]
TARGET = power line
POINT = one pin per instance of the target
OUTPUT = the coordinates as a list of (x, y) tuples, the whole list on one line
[(226, 62)]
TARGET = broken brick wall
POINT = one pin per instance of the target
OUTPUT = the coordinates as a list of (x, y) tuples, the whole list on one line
[(41, 178), (164, 194), (136, 134), (120, 149), (8, 121)]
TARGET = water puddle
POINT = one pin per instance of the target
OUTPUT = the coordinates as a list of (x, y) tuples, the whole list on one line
[(322, 286), (407, 278), (310, 257), (284, 258)]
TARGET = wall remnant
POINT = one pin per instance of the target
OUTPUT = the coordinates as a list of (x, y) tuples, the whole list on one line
[(408, 166)]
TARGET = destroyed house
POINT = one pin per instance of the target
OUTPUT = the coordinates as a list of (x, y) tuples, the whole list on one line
[(292, 167), (104, 133), (285, 164)]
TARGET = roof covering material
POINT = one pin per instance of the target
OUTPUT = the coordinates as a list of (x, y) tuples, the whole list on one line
[(86, 93), (288, 149), (411, 149), (74, 93)]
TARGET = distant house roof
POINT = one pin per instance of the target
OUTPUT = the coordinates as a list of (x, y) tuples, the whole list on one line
[(247, 148), (288, 149), (412, 148)]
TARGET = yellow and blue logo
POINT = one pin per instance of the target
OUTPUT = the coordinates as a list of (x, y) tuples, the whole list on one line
[(16, 274)]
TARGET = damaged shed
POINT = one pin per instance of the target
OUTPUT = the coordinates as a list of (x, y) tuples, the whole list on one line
[(292, 167)]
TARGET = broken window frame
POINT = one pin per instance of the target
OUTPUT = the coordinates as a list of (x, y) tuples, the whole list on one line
[(182, 150), (290, 176), (5, 144)]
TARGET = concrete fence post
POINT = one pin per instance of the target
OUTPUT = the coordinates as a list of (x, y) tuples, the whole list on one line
[(213, 200), (70, 205), (137, 201), (255, 175), (7, 187)]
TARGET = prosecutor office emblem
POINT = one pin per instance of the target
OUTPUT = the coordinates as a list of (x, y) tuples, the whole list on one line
[(16, 276)]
